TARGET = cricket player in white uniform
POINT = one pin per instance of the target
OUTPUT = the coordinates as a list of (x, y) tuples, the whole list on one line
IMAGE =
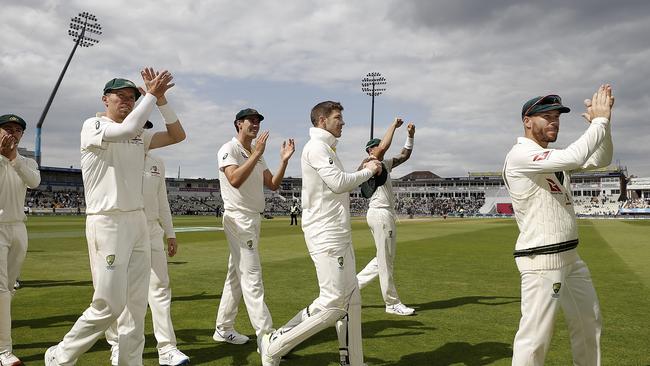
[(17, 173), (552, 274), (243, 174), (381, 220), (328, 235), (112, 161), (159, 221)]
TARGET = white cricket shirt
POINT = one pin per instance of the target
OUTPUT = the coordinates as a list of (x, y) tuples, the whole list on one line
[(156, 205), (542, 200), (326, 193), (15, 177), (249, 197)]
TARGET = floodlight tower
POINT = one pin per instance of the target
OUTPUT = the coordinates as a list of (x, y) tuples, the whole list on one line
[(373, 84), (82, 27)]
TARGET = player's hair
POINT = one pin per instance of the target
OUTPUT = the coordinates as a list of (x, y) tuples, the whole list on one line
[(237, 127), (324, 109)]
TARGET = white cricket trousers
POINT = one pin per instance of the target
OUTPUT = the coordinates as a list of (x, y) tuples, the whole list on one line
[(382, 226), (160, 295), (13, 248), (338, 299), (120, 264), (244, 277), (543, 292)]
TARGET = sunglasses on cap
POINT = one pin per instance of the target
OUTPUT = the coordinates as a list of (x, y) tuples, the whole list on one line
[(550, 99)]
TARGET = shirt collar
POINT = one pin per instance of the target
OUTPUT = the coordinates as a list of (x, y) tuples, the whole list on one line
[(323, 135), (527, 141)]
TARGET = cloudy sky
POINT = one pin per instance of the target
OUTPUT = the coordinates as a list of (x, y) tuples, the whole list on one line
[(460, 70)]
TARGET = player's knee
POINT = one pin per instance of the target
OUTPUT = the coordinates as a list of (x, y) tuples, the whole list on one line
[(105, 309)]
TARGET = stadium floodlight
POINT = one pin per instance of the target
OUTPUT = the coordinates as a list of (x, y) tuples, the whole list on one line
[(374, 85), (84, 30)]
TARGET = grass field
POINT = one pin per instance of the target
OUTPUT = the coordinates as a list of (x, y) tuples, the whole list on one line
[(458, 274)]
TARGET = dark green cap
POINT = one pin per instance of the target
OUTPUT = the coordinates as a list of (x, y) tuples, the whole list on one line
[(372, 143), (543, 104), (119, 83), (13, 118), (248, 112)]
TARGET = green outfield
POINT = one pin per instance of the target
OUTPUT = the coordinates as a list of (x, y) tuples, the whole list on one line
[(459, 274)]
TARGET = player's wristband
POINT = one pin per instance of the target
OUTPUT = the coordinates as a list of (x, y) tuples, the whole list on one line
[(167, 113), (408, 145)]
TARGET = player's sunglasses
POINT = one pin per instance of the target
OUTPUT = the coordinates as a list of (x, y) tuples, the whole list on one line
[(550, 99)]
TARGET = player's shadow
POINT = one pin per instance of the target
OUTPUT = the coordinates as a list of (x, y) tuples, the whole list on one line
[(48, 322), (53, 283), (176, 262), (459, 301), (197, 297), (455, 353)]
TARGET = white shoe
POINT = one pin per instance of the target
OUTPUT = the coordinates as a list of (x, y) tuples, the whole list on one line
[(8, 358), (173, 357), (399, 309), (50, 359), (230, 336), (115, 355), (264, 347)]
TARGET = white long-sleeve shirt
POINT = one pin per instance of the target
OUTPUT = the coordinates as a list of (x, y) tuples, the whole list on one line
[(326, 193), (538, 182), (15, 177), (156, 205), (112, 170)]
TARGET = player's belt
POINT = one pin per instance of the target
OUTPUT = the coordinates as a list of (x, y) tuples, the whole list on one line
[(547, 249)]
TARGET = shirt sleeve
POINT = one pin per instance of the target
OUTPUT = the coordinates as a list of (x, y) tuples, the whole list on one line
[(602, 157), (92, 133), (322, 160), (573, 157), (27, 170), (133, 124), (227, 156), (164, 212)]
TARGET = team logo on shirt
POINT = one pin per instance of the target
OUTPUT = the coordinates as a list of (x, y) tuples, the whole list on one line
[(556, 290), (249, 244), (244, 155), (224, 156), (390, 233), (97, 125), (110, 259), (340, 259), (553, 186), (331, 161), (541, 156)]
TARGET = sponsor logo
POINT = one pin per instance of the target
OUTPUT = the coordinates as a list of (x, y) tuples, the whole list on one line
[(249, 244), (340, 259), (244, 155), (556, 290), (541, 156), (555, 188), (224, 156)]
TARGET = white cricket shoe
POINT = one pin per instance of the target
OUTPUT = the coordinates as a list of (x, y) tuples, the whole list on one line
[(173, 357), (399, 309), (115, 355), (50, 358), (229, 336), (9, 359), (267, 360)]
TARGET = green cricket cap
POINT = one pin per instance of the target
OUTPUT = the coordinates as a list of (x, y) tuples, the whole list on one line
[(248, 112), (119, 83), (543, 104), (372, 143), (7, 118)]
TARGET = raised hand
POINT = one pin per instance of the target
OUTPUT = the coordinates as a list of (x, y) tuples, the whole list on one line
[(600, 105), (287, 149), (157, 82), (7, 145), (410, 128), (398, 122), (260, 143)]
